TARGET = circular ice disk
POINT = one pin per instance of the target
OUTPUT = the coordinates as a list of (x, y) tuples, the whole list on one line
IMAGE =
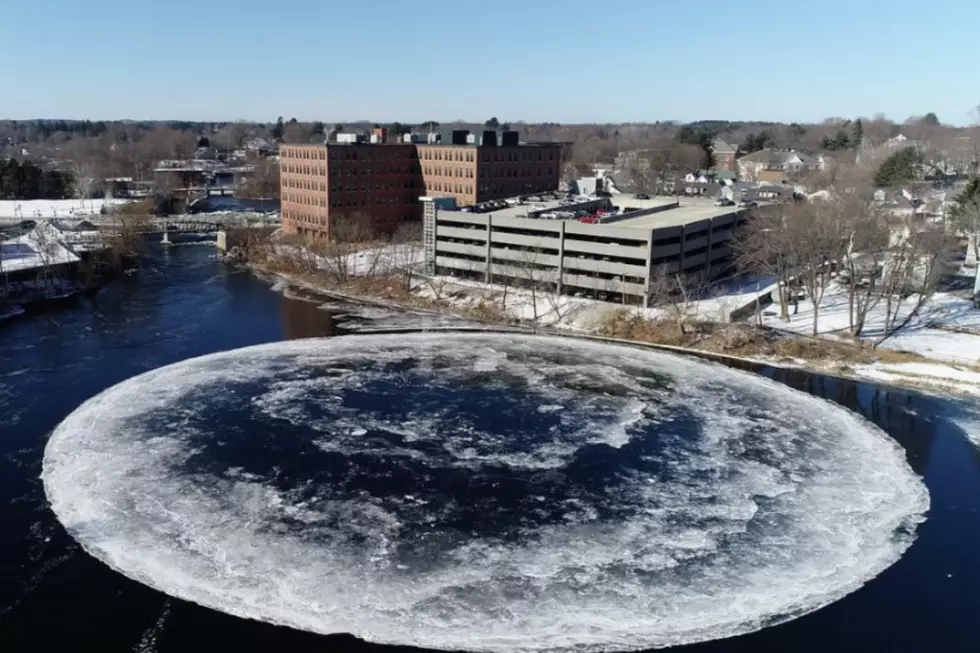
[(484, 492)]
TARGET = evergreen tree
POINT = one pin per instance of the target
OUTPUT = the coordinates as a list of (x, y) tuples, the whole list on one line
[(756, 142), (899, 168), (969, 195), (397, 129), (857, 134), (26, 181), (318, 128), (840, 141), (930, 119), (702, 137), (278, 130)]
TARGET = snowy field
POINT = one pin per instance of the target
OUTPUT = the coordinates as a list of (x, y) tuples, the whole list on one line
[(948, 328), (34, 209)]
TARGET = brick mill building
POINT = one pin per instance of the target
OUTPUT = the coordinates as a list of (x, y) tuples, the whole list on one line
[(382, 181)]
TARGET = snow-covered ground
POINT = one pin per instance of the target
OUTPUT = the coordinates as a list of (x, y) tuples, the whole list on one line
[(584, 313), (958, 379), (947, 329), (377, 260), (34, 209), (547, 309)]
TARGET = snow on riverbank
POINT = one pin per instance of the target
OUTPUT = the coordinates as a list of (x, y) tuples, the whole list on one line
[(931, 335), (34, 209), (947, 329), (954, 378)]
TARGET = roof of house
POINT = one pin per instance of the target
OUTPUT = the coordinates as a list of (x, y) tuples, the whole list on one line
[(719, 146), (41, 247), (777, 158)]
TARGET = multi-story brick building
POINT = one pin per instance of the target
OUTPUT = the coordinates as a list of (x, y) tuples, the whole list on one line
[(319, 182), (382, 182), (724, 156)]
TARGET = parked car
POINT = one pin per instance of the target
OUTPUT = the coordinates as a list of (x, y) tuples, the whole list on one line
[(724, 201), (748, 203), (642, 196)]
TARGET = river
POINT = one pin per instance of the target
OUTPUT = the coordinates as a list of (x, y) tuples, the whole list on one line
[(184, 303)]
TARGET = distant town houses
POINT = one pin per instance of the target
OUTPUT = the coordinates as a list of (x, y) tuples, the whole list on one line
[(778, 165)]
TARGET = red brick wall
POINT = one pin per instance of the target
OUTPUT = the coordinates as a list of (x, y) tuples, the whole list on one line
[(382, 183)]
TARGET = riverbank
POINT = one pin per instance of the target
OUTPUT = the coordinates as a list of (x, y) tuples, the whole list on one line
[(733, 342)]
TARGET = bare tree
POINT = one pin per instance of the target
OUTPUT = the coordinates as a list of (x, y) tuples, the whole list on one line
[(349, 237), (815, 242), (910, 276), (496, 272), (263, 181), (866, 235), (531, 277), (678, 294), (654, 169), (763, 247), (639, 171), (48, 248), (166, 143), (84, 179), (87, 164), (555, 296), (230, 137)]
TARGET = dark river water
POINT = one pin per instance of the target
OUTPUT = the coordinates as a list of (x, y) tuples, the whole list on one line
[(184, 303)]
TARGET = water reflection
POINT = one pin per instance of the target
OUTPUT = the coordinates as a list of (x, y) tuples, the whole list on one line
[(905, 415), (303, 319)]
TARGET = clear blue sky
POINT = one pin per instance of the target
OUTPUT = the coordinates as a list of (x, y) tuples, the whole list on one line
[(534, 60)]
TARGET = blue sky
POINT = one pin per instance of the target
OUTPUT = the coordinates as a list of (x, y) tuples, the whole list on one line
[(537, 60)]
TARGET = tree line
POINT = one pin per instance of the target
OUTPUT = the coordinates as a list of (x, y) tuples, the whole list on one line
[(134, 148), (28, 181)]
